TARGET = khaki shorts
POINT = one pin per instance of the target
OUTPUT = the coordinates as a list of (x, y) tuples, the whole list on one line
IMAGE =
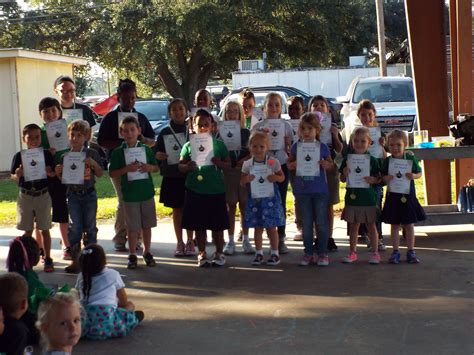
[(333, 185), (140, 215), (233, 191), (33, 208), (360, 214)]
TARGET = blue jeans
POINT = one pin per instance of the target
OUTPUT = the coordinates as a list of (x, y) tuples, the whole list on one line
[(314, 209), (82, 217)]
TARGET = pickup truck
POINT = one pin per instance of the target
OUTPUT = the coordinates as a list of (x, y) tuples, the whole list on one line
[(393, 98)]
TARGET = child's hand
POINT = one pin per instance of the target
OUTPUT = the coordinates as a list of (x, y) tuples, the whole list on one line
[(346, 171), (58, 169), (52, 151), (19, 172), (272, 178), (334, 132), (291, 165), (161, 156), (410, 176), (386, 178), (133, 167), (216, 161), (147, 168), (192, 165), (382, 141), (371, 179), (265, 130), (249, 178), (326, 165)]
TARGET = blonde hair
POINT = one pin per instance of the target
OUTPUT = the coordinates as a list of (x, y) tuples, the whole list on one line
[(259, 136), (398, 134), (241, 112), (80, 126), (311, 119), (270, 96), (361, 131), (46, 308)]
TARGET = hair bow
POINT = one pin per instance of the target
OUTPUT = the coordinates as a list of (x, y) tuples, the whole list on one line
[(42, 293), (87, 251)]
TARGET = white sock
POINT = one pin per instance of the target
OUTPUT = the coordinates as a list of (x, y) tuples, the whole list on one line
[(246, 237), (275, 252), (260, 252), (231, 238)]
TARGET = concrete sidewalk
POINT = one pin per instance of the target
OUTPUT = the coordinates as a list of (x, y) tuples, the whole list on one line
[(342, 309)]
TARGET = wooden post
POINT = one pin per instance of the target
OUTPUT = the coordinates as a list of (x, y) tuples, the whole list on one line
[(381, 38), (464, 167), (425, 21), (454, 55)]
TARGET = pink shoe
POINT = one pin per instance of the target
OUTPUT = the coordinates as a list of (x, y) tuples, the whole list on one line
[(189, 249), (179, 250), (349, 259), (374, 259)]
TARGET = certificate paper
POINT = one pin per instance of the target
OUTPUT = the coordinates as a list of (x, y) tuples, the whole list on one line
[(132, 155), (295, 125), (202, 150), (230, 134), (359, 167), (398, 168), (72, 114), (326, 123), (260, 187), (308, 156), (34, 166), (257, 116), (276, 133), (121, 117), (375, 149), (57, 135), (173, 146), (73, 168)]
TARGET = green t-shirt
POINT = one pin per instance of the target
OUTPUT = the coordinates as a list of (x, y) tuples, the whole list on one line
[(360, 196), (137, 190), (212, 177), (45, 144)]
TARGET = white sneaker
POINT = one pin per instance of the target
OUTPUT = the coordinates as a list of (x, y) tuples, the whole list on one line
[(298, 236), (218, 260), (203, 261), (229, 248), (247, 247)]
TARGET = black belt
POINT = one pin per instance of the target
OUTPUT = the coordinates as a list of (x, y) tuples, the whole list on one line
[(81, 191), (33, 192)]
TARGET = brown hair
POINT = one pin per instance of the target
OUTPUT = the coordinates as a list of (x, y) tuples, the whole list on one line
[(30, 127), (398, 134), (14, 292), (366, 104), (63, 78), (176, 101), (48, 102), (294, 100), (246, 94), (241, 112), (310, 118), (199, 92), (80, 126), (128, 120), (318, 98), (92, 261)]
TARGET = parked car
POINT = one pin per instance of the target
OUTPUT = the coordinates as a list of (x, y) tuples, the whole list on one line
[(334, 106), (393, 98), (259, 99)]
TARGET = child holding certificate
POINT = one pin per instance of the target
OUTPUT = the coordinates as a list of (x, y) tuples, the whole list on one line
[(361, 171), (401, 205), (281, 136), (248, 103), (30, 169), (204, 201), (235, 193), (264, 208), (81, 194), (134, 162), (168, 148), (311, 159)]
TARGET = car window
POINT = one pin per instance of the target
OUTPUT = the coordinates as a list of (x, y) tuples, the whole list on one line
[(153, 110), (384, 92)]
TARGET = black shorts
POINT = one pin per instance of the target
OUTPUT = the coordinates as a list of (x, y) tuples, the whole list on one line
[(172, 192), (58, 199), (202, 212)]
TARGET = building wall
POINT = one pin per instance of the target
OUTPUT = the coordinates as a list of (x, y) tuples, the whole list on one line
[(9, 133), (35, 80)]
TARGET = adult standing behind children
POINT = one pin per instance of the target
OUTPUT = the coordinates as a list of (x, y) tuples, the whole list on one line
[(109, 138), (65, 89)]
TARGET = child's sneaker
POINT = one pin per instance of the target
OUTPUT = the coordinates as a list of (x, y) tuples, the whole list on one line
[(149, 260), (202, 260), (258, 260), (298, 236), (412, 258), (394, 258), (273, 260), (323, 260), (48, 265), (190, 249), (332, 247), (67, 255), (229, 248), (218, 259), (381, 246), (374, 258), (179, 250), (349, 259), (307, 260), (282, 247), (132, 262), (247, 247)]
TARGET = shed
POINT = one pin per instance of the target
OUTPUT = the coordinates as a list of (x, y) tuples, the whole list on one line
[(26, 76)]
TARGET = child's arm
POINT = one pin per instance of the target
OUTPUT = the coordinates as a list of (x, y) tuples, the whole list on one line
[(98, 171), (161, 156), (291, 162), (246, 179), (18, 174), (336, 142), (372, 180), (413, 176), (125, 169), (148, 168), (386, 178), (58, 169), (221, 163), (327, 163), (185, 166), (123, 301), (279, 176), (382, 143)]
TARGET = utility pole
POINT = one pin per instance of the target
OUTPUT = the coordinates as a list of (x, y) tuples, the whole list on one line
[(381, 37)]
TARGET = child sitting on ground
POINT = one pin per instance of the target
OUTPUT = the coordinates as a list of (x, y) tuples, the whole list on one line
[(14, 303), (59, 321), (109, 313)]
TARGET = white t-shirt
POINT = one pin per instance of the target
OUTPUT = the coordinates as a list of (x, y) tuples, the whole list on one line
[(281, 154), (103, 289), (248, 163)]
